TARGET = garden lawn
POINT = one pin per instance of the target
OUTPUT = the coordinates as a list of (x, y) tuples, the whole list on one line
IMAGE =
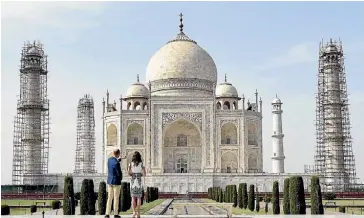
[(19, 202), (239, 211), (145, 207)]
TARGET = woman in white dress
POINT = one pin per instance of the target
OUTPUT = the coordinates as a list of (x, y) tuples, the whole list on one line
[(136, 170)]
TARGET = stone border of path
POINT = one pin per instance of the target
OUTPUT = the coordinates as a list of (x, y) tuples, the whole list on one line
[(160, 208)]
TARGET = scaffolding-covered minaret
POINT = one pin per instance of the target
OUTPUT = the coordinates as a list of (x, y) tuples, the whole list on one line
[(85, 148), (334, 159), (31, 125)]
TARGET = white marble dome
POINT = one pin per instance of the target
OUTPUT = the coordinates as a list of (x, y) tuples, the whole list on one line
[(137, 90), (276, 100), (226, 90), (181, 58)]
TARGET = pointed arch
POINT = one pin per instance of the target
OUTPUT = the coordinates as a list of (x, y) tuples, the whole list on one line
[(218, 105), (253, 162), (229, 162), (137, 106), (229, 134), (145, 106), (226, 105), (112, 135), (135, 134)]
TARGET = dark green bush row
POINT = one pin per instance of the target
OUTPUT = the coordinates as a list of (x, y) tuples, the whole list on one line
[(297, 195), (286, 207), (152, 194), (56, 204), (342, 209), (33, 208), (87, 198), (316, 196), (275, 198), (102, 198), (5, 209), (69, 205), (251, 198), (329, 196)]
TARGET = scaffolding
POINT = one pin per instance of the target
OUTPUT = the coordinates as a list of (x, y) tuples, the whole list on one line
[(85, 148), (31, 123), (334, 158)]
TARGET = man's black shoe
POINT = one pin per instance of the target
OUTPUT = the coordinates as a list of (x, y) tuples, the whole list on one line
[(117, 216), (107, 216)]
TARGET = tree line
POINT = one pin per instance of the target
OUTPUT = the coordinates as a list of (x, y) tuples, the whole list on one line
[(293, 196)]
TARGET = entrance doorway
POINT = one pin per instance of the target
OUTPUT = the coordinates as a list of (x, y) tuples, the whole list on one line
[(181, 165)]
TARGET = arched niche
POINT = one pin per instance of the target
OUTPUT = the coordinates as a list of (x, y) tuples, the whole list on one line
[(137, 106), (218, 105), (135, 134), (226, 105), (229, 162), (128, 106), (112, 135), (229, 134), (182, 139), (252, 134), (235, 105), (145, 106)]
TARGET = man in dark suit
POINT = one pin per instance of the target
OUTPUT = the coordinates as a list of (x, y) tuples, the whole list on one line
[(114, 178)]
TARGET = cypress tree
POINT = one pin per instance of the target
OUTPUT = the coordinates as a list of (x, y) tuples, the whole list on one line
[(275, 198), (286, 209), (257, 206), (234, 196), (251, 198), (84, 198), (240, 195), (316, 196), (102, 198), (266, 207), (245, 196), (91, 198), (68, 196), (297, 195)]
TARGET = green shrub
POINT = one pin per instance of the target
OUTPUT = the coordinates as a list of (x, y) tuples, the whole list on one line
[(260, 198), (76, 203), (275, 198), (143, 194), (68, 196), (234, 195), (91, 198), (251, 197), (102, 198), (84, 198), (267, 199), (221, 196), (245, 195), (329, 196), (33, 208), (297, 195), (342, 209), (5, 210), (56, 204), (240, 195), (78, 195), (316, 197), (257, 206), (266, 208), (286, 207)]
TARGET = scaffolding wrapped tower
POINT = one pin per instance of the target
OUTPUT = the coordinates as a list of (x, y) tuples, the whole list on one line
[(334, 158), (31, 124), (85, 148)]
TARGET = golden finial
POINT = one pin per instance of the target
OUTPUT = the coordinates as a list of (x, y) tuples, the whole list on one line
[(181, 22)]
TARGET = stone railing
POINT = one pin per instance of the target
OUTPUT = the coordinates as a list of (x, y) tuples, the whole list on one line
[(228, 207)]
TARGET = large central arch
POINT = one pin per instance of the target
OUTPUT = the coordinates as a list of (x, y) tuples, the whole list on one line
[(182, 141)]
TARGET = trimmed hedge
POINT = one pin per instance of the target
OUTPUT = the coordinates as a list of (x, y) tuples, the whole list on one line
[(84, 198), (316, 197), (56, 204), (33, 208), (245, 195), (266, 208), (275, 198), (257, 200), (251, 197), (5, 210), (102, 198), (240, 195), (91, 198), (329, 196), (78, 195), (68, 196), (342, 209), (286, 209), (297, 195), (234, 195)]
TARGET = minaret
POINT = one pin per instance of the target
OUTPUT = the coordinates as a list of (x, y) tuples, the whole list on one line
[(277, 137)]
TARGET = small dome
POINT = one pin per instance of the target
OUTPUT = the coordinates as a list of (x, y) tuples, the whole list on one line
[(226, 90), (137, 90), (276, 100), (331, 48), (33, 51)]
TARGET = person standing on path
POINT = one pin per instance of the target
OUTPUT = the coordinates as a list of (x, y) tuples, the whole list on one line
[(136, 170), (114, 178)]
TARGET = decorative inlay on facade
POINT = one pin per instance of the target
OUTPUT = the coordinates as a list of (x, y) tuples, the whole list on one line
[(175, 83), (168, 118), (141, 122), (235, 122), (156, 109)]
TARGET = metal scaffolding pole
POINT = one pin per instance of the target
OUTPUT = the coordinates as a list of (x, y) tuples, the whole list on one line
[(334, 159), (85, 148), (31, 123)]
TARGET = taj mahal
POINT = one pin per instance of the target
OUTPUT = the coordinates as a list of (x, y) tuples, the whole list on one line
[(193, 131)]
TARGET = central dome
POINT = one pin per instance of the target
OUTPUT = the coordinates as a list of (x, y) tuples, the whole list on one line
[(181, 58)]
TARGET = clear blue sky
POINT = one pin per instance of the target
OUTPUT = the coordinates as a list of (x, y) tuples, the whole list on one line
[(94, 46)]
